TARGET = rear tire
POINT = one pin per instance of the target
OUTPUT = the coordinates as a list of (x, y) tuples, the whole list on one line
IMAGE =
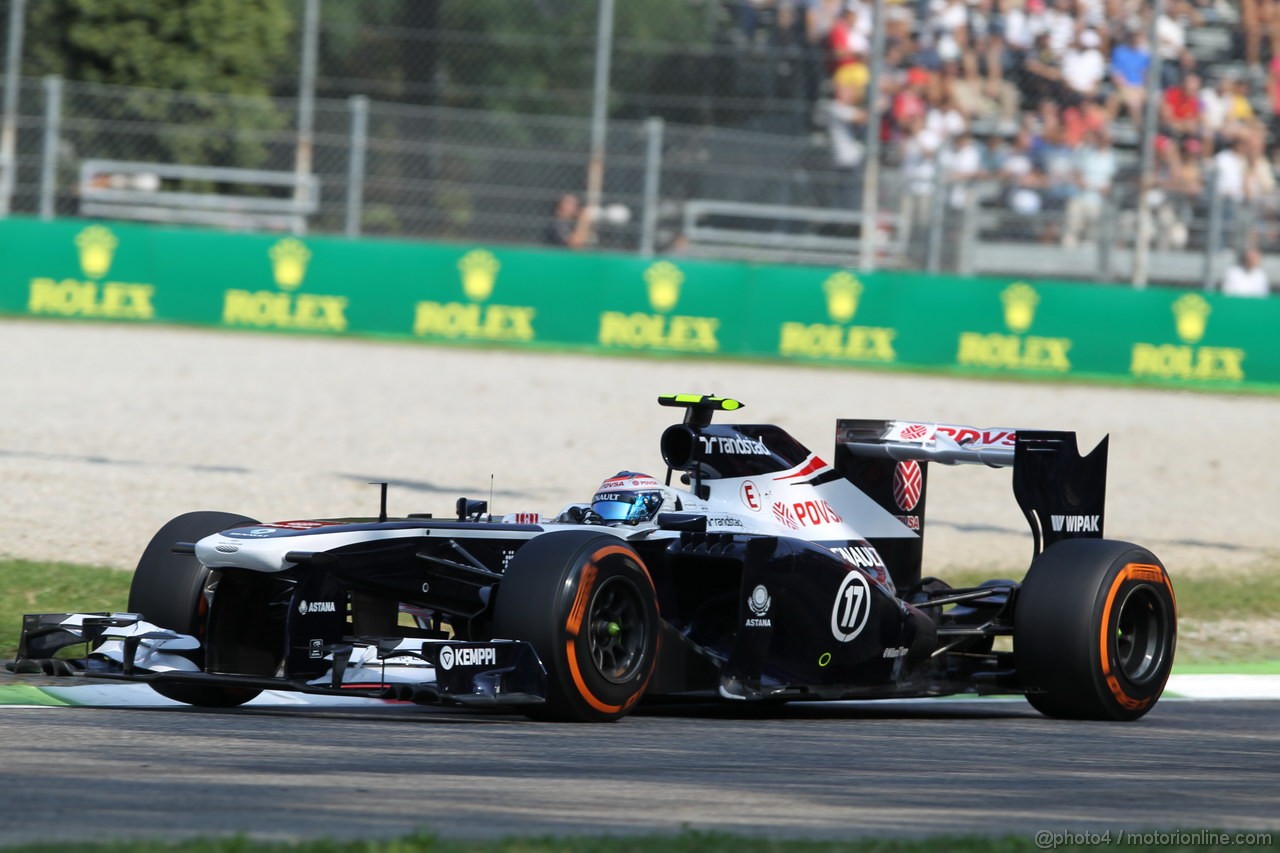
[(1094, 630), (586, 603), (168, 590)]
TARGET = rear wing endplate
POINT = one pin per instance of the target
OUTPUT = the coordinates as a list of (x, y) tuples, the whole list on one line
[(1061, 493)]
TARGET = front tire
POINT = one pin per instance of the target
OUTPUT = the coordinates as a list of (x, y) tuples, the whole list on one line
[(168, 590), (586, 603), (1094, 630)]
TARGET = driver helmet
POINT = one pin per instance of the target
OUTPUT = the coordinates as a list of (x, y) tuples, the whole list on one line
[(628, 497)]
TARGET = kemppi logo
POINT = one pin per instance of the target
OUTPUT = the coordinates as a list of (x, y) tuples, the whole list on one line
[(467, 656)]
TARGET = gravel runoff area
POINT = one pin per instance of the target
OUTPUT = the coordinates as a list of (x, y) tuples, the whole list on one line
[(110, 430)]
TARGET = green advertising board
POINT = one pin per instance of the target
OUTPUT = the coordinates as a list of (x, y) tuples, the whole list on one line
[(518, 297)]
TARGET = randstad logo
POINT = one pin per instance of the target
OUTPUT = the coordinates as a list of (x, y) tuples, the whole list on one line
[(478, 270), (283, 309), (70, 297), (1016, 351), (1188, 361), (661, 330), (838, 340)]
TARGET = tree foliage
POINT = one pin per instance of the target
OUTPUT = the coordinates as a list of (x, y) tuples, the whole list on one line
[(218, 53)]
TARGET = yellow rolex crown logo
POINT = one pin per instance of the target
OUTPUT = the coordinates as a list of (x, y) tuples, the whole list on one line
[(97, 248), (664, 279), (843, 292), (1191, 315), (289, 259), (1020, 300), (479, 270)]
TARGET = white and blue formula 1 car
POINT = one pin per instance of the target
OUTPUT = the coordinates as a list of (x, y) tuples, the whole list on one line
[(763, 574)]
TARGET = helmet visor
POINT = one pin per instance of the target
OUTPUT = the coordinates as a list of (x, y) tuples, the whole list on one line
[(631, 507)]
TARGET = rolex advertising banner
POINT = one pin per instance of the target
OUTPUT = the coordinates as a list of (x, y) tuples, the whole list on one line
[(516, 297)]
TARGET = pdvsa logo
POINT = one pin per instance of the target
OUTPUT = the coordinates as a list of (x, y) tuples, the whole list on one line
[(838, 339), (1188, 361), (661, 329), (474, 320), (89, 296), (284, 308), (1018, 350)]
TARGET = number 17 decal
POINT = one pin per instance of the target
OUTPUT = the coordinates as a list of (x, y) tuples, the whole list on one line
[(852, 607)]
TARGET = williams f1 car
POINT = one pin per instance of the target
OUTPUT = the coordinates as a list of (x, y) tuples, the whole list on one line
[(763, 574)]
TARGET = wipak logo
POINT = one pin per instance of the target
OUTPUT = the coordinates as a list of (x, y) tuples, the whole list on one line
[(1075, 523)]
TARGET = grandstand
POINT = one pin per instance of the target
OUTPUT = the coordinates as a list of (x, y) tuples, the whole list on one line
[(1010, 131)]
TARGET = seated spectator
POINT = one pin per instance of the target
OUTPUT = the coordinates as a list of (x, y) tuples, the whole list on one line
[(1180, 109), (847, 42), (961, 163), (1022, 183), (980, 97), (1246, 277), (1083, 69), (1042, 73), (946, 119), (909, 103), (1129, 63), (1177, 187), (1095, 166)]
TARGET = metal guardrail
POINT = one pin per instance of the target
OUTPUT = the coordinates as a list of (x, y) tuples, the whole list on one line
[(162, 192), (784, 233)]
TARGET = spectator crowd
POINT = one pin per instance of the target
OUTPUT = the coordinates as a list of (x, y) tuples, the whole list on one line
[(1045, 99)]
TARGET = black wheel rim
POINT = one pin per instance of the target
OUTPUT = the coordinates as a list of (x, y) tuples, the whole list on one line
[(617, 635), (1142, 634)]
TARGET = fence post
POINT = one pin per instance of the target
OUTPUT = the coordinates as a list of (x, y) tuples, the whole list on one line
[(937, 211), (1146, 169), (359, 108), (1212, 240), (968, 233), (871, 152), (49, 147), (9, 126), (600, 104), (1106, 229), (307, 98), (653, 128)]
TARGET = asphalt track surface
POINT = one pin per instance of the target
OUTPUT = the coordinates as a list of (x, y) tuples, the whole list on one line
[(805, 770)]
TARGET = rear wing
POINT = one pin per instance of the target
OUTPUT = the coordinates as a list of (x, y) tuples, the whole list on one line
[(1061, 493)]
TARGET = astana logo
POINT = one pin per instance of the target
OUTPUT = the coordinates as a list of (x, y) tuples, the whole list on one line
[(97, 248), (479, 270), (843, 292), (664, 279), (1191, 316), (1020, 302), (289, 259)]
